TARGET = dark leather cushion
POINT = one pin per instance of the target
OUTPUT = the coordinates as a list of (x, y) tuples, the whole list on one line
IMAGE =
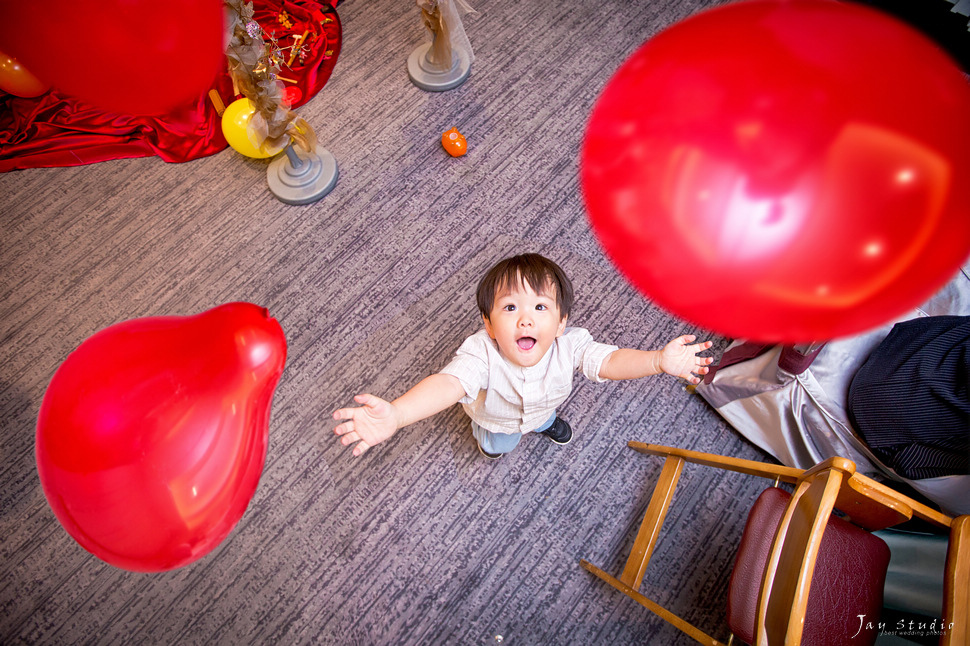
[(850, 572)]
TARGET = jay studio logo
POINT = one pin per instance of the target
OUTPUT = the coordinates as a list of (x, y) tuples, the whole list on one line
[(905, 627)]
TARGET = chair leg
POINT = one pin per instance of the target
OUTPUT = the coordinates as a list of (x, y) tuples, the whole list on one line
[(688, 629), (653, 518), (639, 559)]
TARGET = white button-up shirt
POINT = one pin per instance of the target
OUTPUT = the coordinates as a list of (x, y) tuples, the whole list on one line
[(505, 398)]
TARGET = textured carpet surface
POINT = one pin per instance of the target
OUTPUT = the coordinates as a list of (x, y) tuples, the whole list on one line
[(421, 541)]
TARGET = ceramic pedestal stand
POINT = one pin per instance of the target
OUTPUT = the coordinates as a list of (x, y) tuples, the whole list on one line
[(301, 177), (427, 77)]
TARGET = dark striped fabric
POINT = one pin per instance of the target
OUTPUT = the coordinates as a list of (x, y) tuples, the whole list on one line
[(910, 399)]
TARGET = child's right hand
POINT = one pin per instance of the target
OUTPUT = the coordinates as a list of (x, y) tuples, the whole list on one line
[(367, 425)]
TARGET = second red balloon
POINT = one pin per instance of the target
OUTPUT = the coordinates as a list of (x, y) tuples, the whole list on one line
[(783, 170), (152, 435)]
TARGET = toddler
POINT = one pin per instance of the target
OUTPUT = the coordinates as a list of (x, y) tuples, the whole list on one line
[(511, 376)]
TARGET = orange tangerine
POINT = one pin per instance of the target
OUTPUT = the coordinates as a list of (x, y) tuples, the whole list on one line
[(454, 143)]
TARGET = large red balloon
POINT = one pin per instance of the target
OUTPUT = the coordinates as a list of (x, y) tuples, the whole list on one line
[(129, 56), (788, 170), (152, 435)]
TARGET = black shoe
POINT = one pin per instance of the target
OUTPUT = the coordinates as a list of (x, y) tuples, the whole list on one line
[(559, 432), (490, 456)]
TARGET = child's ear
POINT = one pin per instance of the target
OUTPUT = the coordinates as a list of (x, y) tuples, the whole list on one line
[(488, 326), (562, 326)]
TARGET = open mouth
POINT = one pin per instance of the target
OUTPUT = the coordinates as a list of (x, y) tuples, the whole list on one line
[(526, 343)]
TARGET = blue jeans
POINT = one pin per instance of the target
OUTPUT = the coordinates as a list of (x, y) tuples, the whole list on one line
[(502, 442)]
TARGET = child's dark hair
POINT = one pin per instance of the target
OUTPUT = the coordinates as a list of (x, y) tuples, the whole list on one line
[(538, 272)]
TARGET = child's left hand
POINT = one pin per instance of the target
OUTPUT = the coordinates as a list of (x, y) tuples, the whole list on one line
[(679, 358)]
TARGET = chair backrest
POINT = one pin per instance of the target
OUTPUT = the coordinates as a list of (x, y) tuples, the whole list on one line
[(791, 564), (833, 484)]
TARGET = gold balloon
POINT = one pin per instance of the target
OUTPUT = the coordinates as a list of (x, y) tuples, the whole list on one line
[(235, 127), (17, 79)]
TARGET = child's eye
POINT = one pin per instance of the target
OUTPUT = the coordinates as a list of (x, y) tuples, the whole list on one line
[(541, 307), (509, 308)]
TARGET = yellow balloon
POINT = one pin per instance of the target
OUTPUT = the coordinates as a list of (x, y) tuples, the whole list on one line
[(235, 126)]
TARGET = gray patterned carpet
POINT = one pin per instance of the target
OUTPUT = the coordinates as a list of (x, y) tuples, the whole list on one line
[(421, 541)]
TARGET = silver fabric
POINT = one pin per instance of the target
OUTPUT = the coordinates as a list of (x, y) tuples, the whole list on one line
[(802, 419)]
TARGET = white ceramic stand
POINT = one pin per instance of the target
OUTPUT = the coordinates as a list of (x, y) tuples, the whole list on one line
[(427, 77), (299, 177)]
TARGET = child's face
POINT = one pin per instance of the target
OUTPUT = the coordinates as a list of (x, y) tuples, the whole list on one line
[(524, 323)]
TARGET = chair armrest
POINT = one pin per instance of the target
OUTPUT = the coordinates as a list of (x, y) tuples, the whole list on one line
[(750, 467)]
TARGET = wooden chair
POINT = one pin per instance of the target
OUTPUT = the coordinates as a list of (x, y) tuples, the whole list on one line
[(792, 544)]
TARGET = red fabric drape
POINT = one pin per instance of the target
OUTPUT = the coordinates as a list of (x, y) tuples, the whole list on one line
[(58, 130)]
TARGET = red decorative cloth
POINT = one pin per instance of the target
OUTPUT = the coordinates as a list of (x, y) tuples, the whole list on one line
[(58, 130), (283, 20)]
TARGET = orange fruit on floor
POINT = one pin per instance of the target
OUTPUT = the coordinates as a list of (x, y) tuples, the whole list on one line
[(454, 143)]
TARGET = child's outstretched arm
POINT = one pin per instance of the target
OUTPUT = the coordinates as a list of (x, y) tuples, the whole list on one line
[(678, 358), (376, 419)]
